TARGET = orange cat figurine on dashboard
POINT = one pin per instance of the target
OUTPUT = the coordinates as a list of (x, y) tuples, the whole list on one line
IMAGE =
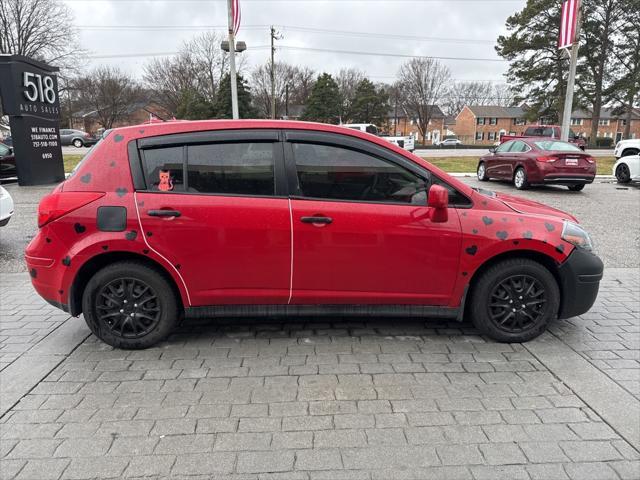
[(165, 181)]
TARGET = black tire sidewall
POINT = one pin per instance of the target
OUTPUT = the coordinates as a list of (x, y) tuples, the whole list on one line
[(169, 310), (626, 179), (495, 274)]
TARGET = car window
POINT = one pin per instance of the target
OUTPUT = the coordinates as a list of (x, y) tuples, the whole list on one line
[(557, 146), (519, 147), (163, 169), (4, 150), (338, 173), (504, 147), (241, 168)]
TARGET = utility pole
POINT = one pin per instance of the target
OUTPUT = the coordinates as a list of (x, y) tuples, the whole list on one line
[(568, 99), (232, 64), (286, 101), (274, 37)]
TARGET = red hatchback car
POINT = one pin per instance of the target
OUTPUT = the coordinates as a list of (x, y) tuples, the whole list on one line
[(255, 218), (529, 161)]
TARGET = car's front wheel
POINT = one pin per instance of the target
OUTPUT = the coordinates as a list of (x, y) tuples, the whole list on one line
[(514, 300), (78, 143), (482, 172), (623, 174), (130, 305)]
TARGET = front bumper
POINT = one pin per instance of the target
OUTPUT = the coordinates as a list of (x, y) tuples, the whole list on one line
[(580, 277)]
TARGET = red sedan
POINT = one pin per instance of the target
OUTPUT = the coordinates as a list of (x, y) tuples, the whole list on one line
[(530, 161)]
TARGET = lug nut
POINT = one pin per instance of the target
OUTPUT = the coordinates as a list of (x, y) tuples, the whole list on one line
[(121, 311)]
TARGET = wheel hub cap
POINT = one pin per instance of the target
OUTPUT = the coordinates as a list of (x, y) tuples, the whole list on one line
[(517, 303)]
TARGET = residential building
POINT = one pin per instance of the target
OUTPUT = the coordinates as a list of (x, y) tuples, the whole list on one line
[(484, 124), (609, 125), (402, 123)]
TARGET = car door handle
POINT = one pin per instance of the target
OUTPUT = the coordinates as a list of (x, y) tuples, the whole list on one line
[(164, 213), (325, 220)]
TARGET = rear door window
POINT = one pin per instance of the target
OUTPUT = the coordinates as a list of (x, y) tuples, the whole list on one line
[(164, 169)]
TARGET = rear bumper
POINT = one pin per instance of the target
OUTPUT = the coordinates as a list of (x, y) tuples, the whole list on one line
[(564, 179), (580, 279)]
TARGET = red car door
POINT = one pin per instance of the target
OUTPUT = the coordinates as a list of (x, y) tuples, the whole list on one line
[(361, 232), (210, 206), (496, 163)]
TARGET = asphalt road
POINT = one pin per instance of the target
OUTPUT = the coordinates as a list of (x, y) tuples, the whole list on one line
[(610, 212)]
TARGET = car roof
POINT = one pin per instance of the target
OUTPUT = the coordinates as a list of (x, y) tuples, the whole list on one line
[(186, 126)]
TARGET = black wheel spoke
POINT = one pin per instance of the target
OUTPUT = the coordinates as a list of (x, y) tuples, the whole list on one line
[(128, 307)]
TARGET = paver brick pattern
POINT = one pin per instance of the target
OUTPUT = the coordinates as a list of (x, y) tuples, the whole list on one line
[(317, 399)]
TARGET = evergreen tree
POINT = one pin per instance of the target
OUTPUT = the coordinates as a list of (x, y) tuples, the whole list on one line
[(538, 70), (194, 106), (324, 102), (223, 99), (370, 105)]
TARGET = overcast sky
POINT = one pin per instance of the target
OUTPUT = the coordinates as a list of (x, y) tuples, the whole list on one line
[(453, 28)]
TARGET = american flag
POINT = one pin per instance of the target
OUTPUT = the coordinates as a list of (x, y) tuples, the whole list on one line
[(236, 15), (568, 23)]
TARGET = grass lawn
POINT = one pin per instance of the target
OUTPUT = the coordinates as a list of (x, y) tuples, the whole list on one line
[(469, 164), (448, 164)]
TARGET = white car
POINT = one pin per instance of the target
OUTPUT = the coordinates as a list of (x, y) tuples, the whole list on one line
[(627, 147), (6, 207), (627, 169), (450, 142), (408, 143)]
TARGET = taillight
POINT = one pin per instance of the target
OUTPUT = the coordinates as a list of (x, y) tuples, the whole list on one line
[(549, 159), (57, 204), (590, 159)]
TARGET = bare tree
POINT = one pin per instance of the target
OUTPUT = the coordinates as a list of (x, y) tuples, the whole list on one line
[(467, 93), (292, 85), (40, 29), (109, 92), (197, 68), (348, 80), (503, 95), (423, 82)]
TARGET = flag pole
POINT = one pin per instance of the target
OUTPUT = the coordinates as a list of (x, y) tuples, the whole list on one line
[(568, 99), (232, 64)]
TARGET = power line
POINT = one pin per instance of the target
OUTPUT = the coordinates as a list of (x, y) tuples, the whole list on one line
[(152, 54), (299, 1), (164, 27)]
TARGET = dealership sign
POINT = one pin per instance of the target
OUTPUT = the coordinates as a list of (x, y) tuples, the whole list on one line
[(29, 92)]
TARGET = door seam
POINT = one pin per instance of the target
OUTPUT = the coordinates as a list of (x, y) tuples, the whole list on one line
[(291, 256)]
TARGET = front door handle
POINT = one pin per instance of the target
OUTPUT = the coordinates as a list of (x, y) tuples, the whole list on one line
[(164, 213), (324, 220)]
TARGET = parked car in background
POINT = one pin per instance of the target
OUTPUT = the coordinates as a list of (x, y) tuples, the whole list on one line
[(627, 147), (77, 138), (7, 163), (6, 207), (406, 142), (529, 161), (449, 142), (206, 218), (547, 131), (627, 169)]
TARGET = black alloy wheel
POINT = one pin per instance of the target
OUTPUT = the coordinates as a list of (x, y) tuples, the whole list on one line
[(517, 303)]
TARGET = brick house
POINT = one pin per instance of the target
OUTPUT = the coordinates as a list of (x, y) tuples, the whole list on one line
[(609, 125), (483, 125), (138, 113), (400, 123)]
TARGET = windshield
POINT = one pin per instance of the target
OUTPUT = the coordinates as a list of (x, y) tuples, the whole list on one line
[(557, 146)]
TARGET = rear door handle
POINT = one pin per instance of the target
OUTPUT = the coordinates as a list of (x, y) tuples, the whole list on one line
[(325, 220), (164, 213)]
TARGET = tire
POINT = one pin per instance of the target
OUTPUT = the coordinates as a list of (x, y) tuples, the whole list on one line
[(482, 172), (104, 316), (623, 174), (576, 188), (78, 143), (630, 151), (520, 179), (488, 290)]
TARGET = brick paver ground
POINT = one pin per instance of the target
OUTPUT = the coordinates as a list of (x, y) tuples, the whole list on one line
[(317, 399)]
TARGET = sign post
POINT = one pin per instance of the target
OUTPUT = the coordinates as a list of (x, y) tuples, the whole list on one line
[(569, 39), (29, 92)]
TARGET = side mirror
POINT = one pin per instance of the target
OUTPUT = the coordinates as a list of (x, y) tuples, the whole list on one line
[(492, 150), (439, 202)]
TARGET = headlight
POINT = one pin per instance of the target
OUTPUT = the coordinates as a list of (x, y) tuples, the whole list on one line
[(576, 235)]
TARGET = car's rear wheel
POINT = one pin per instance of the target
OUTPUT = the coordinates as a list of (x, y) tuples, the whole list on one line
[(577, 187), (78, 143), (520, 179), (130, 305), (514, 300), (630, 151), (482, 172), (623, 174)]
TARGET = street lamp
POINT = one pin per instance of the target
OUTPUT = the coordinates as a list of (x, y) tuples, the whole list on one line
[(240, 46)]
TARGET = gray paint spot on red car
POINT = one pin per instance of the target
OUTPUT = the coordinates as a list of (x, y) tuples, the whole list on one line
[(121, 191), (118, 138), (472, 249), (66, 261), (560, 248), (85, 178), (528, 235), (550, 227), (502, 234), (79, 228), (487, 220), (131, 235)]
